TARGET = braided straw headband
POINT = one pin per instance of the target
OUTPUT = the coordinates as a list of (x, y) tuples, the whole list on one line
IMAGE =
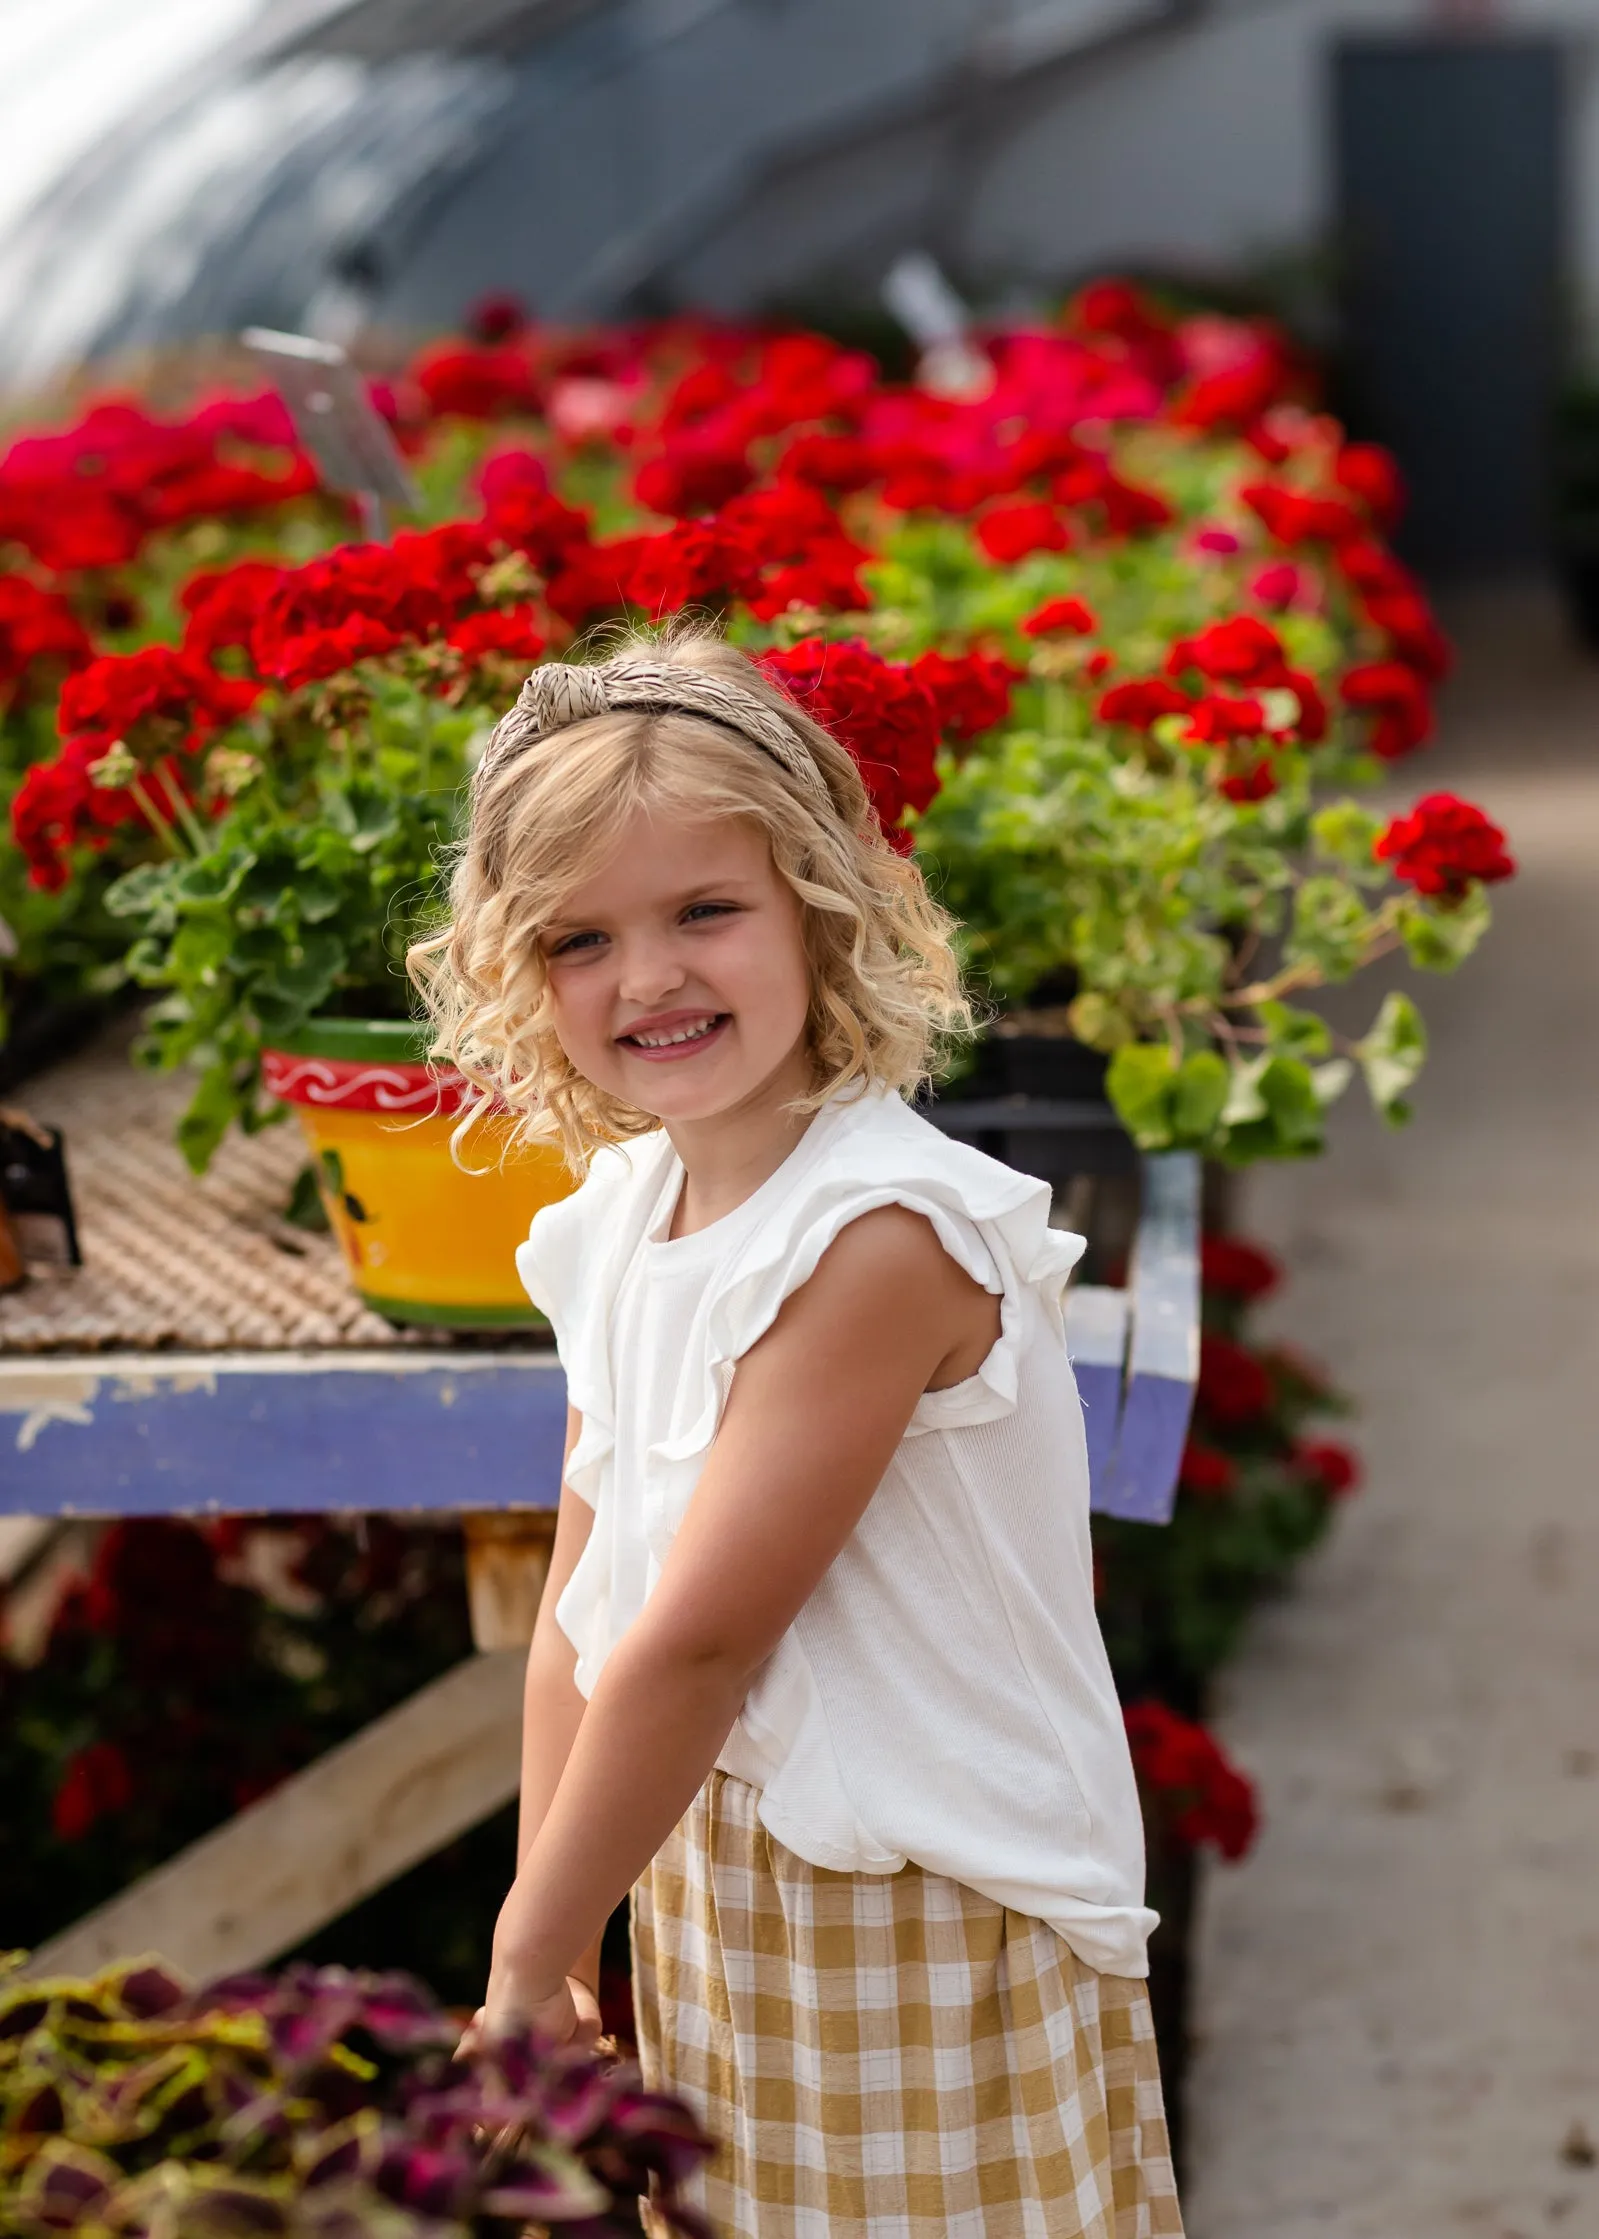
[(563, 692)]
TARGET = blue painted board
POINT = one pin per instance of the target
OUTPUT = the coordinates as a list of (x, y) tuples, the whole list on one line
[(249, 1434), (245, 1434)]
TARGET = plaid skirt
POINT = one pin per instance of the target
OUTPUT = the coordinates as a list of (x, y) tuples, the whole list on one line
[(889, 2056)]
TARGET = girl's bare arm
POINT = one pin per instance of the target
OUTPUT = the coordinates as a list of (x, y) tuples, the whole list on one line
[(817, 1410)]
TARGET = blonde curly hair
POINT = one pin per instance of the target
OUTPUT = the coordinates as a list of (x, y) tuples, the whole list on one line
[(679, 721)]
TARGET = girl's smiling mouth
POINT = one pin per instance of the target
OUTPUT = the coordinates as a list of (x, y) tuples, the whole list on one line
[(674, 1034)]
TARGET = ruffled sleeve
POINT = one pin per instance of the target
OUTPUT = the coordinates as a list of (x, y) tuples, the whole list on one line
[(992, 1221), (568, 1267)]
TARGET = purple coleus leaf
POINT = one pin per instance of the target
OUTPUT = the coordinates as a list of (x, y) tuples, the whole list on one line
[(402, 2015), (548, 2186), (439, 2183), (65, 2187), (148, 1990)]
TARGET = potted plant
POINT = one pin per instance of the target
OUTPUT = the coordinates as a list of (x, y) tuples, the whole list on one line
[(1109, 640), (316, 2105)]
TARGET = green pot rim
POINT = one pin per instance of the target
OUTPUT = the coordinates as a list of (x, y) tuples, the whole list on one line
[(393, 1041), (411, 1313)]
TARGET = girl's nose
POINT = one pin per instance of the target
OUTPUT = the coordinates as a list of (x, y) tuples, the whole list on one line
[(649, 971)]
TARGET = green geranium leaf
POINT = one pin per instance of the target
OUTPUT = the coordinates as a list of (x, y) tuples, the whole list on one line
[(213, 878), (1332, 928), (213, 1107), (1139, 1082), (1392, 1055), (1439, 936), (1278, 1112), (1344, 832), (1096, 1020), (1199, 1095), (1293, 1032), (146, 892)]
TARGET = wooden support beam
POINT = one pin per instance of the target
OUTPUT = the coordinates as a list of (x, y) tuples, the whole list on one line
[(263, 1882)]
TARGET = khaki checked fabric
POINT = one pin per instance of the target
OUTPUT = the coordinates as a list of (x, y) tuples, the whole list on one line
[(890, 2056)]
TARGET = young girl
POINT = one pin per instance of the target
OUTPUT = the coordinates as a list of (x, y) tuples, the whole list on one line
[(817, 1674)]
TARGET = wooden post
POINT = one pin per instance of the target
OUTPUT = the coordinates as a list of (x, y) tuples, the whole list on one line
[(507, 1562)]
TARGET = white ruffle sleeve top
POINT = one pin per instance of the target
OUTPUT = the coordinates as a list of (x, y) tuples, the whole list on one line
[(944, 1695)]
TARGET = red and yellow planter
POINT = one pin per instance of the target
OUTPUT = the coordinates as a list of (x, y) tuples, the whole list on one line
[(425, 1241)]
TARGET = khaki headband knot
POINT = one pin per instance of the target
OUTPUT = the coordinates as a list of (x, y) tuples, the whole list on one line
[(559, 693)]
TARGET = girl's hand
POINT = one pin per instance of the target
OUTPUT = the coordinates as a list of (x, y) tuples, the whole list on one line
[(569, 2015)]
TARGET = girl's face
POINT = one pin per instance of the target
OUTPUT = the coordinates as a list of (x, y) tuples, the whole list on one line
[(678, 972)]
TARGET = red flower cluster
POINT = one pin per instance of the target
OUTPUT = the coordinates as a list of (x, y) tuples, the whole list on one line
[(160, 701), (1236, 1269), (1333, 1467), (880, 711), (40, 637), (1062, 618), (1179, 1761), (490, 382), (95, 1782), (160, 696), (1142, 702), (1008, 533), (91, 496), (1206, 1471), (1444, 847), (1396, 695), (971, 691), (1233, 1386)]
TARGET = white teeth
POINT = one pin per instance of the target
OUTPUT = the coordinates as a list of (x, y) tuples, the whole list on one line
[(665, 1041)]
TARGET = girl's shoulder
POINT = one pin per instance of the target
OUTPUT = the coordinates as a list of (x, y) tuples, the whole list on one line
[(566, 1236), (874, 1150)]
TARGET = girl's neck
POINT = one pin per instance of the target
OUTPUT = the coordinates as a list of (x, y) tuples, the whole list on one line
[(727, 1158)]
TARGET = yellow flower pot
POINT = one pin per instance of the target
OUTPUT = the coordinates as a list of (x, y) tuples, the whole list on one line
[(425, 1241)]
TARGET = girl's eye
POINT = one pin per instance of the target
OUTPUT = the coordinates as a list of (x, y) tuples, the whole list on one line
[(575, 941), (698, 911)]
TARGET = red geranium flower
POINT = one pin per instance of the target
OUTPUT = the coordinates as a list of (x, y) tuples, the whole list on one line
[(1444, 846), (695, 474), (972, 691), (1278, 584), (477, 384), (1292, 517), (1236, 1269), (1204, 1471), (224, 605), (38, 630), (1243, 650), (831, 462), (1233, 1386), (512, 632), (1414, 637), (1398, 699), (827, 577), (696, 560), (1009, 532), (96, 1781), (1128, 509), (1257, 783), (1335, 1469), (1142, 703), (1371, 474), (1178, 1759), (122, 694), (878, 710), (496, 317), (591, 579), (1219, 718), (1065, 617)]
